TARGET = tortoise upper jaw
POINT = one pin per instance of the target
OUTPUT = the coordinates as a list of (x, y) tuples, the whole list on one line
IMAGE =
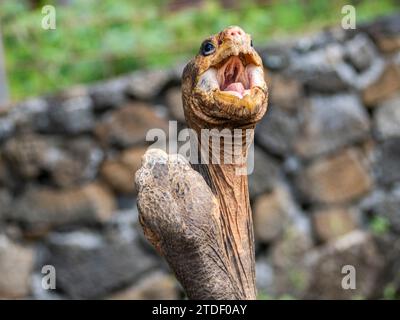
[(246, 54), (219, 107)]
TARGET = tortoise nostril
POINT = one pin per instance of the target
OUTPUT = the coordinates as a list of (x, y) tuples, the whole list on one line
[(235, 33)]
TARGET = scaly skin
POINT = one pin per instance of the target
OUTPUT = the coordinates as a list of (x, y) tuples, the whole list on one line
[(214, 260)]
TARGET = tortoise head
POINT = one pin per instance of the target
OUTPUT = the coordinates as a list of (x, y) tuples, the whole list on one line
[(224, 83)]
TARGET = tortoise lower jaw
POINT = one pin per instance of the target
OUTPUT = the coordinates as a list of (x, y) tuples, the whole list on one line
[(249, 100), (221, 106)]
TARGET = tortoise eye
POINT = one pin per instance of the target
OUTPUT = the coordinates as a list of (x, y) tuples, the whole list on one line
[(207, 48)]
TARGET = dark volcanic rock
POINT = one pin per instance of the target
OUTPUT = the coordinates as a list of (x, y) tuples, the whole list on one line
[(265, 173), (5, 201), (285, 92), (155, 286), (72, 115), (386, 85), (32, 113), (66, 162), (389, 244), (273, 212), (119, 173), (316, 69), (89, 266), (129, 125), (6, 177), (291, 275), (331, 223), (277, 131), (25, 152), (360, 51), (72, 163), (109, 94), (356, 249), (385, 203), (339, 178), (319, 40), (173, 99), (275, 57), (7, 127), (387, 164), (148, 84), (385, 31), (387, 118), (43, 208), (331, 122)]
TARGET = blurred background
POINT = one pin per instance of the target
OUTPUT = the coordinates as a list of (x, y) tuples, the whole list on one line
[(76, 103)]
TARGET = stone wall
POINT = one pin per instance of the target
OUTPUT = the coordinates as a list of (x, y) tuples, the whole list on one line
[(325, 191)]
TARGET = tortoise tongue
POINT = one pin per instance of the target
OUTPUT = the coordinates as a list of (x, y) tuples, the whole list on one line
[(236, 87)]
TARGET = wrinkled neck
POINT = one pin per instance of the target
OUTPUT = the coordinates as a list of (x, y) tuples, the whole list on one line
[(224, 167)]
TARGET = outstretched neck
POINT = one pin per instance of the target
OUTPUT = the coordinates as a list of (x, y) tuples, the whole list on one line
[(237, 227), (226, 173)]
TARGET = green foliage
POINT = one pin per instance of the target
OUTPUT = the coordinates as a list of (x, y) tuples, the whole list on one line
[(297, 279), (389, 292), (287, 297), (265, 296), (96, 39), (379, 225), (358, 297)]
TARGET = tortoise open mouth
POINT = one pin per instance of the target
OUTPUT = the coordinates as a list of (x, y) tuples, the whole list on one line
[(235, 75)]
